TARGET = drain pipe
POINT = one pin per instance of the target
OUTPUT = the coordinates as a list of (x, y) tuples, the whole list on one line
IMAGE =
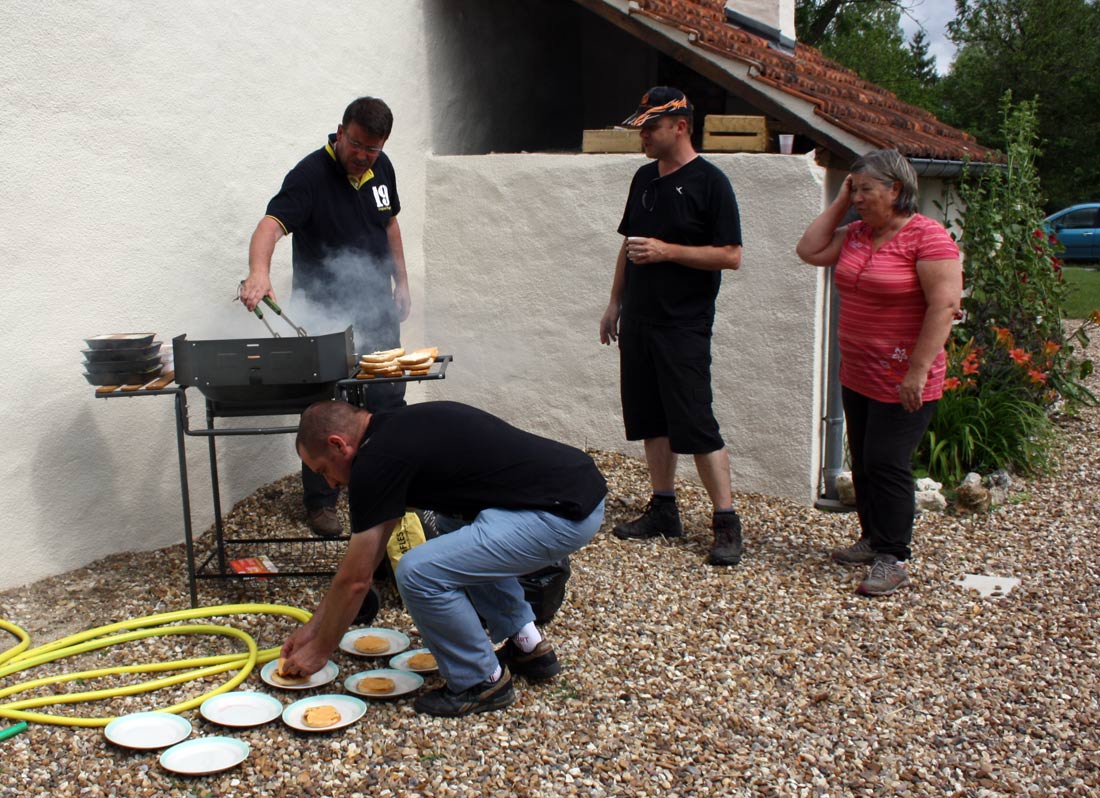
[(833, 422)]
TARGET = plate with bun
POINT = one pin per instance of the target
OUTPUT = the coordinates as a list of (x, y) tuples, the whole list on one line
[(321, 713), (418, 660), (383, 683), (374, 641), (271, 673)]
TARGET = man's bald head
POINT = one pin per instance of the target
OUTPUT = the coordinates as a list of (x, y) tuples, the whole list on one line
[(323, 419)]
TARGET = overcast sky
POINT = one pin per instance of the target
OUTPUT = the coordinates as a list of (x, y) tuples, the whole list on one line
[(934, 15)]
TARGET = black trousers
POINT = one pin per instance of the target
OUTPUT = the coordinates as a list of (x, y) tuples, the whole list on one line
[(881, 440)]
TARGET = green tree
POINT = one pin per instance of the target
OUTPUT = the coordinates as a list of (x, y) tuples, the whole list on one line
[(1042, 49), (814, 19), (866, 37)]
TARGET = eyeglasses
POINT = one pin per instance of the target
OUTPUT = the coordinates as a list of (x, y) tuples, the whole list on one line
[(355, 145), (649, 197)]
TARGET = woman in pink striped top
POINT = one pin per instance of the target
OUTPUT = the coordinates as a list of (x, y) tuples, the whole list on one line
[(900, 283)]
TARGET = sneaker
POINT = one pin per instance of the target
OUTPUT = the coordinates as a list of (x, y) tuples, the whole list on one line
[(886, 576), (324, 522), (484, 697), (658, 519), (859, 553), (727, 540), (535, 666)]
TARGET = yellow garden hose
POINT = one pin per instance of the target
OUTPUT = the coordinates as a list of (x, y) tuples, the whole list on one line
[(18, 659)]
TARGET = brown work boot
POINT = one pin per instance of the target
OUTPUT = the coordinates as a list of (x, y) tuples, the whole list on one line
[(859, 553), (324, 522), (727, 539)]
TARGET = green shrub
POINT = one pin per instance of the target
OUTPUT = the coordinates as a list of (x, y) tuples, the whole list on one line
[(1010, 360)]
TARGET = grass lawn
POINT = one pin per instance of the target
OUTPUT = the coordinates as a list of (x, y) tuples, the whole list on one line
[(1084, 293)]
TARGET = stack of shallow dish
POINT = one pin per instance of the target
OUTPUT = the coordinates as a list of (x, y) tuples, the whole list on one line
[(122, 359)]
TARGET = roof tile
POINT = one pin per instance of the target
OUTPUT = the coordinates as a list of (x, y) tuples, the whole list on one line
[(841, 96)]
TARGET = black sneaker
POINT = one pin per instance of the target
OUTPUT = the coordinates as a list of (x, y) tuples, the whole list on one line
[(658, 519), (484, 697), (727, 539), (541, 663)]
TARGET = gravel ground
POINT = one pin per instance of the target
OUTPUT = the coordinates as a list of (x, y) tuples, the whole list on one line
[(771, 678)]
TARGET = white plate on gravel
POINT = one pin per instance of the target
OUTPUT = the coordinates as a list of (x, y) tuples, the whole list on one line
[(241, 709), (401, 661), (204, 755), (349, 707), (148, 730), (403, 682), (397, 640), (323, 676)]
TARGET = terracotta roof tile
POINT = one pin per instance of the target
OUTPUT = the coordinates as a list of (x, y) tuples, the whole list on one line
[(841, 96)]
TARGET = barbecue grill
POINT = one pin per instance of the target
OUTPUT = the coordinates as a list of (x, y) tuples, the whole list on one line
[(265, 376), (257, 377)]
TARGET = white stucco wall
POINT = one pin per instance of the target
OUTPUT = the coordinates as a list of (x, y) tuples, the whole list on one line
[(140, 144), (519, 254)]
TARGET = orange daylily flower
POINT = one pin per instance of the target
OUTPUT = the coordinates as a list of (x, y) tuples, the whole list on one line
[(1004, 336), (1020, 356), (951, 383), (1037, 377)]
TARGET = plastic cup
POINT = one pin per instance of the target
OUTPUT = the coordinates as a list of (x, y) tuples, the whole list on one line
[(786, 143)]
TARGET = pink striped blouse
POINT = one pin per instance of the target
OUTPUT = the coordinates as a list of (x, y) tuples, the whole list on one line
[(882, 307)]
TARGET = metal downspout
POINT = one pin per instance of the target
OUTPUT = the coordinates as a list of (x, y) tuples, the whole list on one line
[(833, 422)]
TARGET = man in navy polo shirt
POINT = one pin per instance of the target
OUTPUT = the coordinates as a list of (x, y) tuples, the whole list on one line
[(340, 204)]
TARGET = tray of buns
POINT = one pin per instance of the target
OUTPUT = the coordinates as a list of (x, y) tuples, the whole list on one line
[(399, 365)]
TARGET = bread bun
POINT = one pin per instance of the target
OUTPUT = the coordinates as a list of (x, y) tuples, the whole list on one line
[(320, 716), (415, 359), (422, 662), (382, 355), (380, 365), (376, 684), (372, 644), (279, 677)]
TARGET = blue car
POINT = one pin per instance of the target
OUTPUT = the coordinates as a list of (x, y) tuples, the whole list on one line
[(1078, 228)]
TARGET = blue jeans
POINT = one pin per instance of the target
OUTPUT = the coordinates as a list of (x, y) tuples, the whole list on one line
[(447, 582)]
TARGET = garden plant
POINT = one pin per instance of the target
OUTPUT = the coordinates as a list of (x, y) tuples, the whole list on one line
[(1012, 361)]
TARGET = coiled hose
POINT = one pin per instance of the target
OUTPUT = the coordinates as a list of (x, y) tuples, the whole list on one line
[(18, 658)]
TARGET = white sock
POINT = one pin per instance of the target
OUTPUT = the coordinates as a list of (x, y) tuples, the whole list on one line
[(527, 638), (496, 674)]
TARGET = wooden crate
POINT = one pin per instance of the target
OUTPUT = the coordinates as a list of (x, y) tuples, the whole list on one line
[(612, 140), (735, 133)]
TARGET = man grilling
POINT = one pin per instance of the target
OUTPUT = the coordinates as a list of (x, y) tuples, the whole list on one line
[(527, 502), (340, 203)]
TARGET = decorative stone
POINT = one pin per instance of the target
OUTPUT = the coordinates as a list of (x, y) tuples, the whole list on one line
[(846, 488), (927, 483), (930, 500), (971, 497), (999, 484)]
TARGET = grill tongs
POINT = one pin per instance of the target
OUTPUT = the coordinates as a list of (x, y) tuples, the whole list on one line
[(279, 312)]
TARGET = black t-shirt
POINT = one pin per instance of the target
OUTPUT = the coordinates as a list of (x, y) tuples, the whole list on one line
[(695, 206), (340, 245), (458, 460)]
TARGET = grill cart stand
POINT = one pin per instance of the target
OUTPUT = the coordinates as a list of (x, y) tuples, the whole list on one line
[(298, 556)]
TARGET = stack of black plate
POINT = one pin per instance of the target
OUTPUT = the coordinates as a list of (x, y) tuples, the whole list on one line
[(122, 359)]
